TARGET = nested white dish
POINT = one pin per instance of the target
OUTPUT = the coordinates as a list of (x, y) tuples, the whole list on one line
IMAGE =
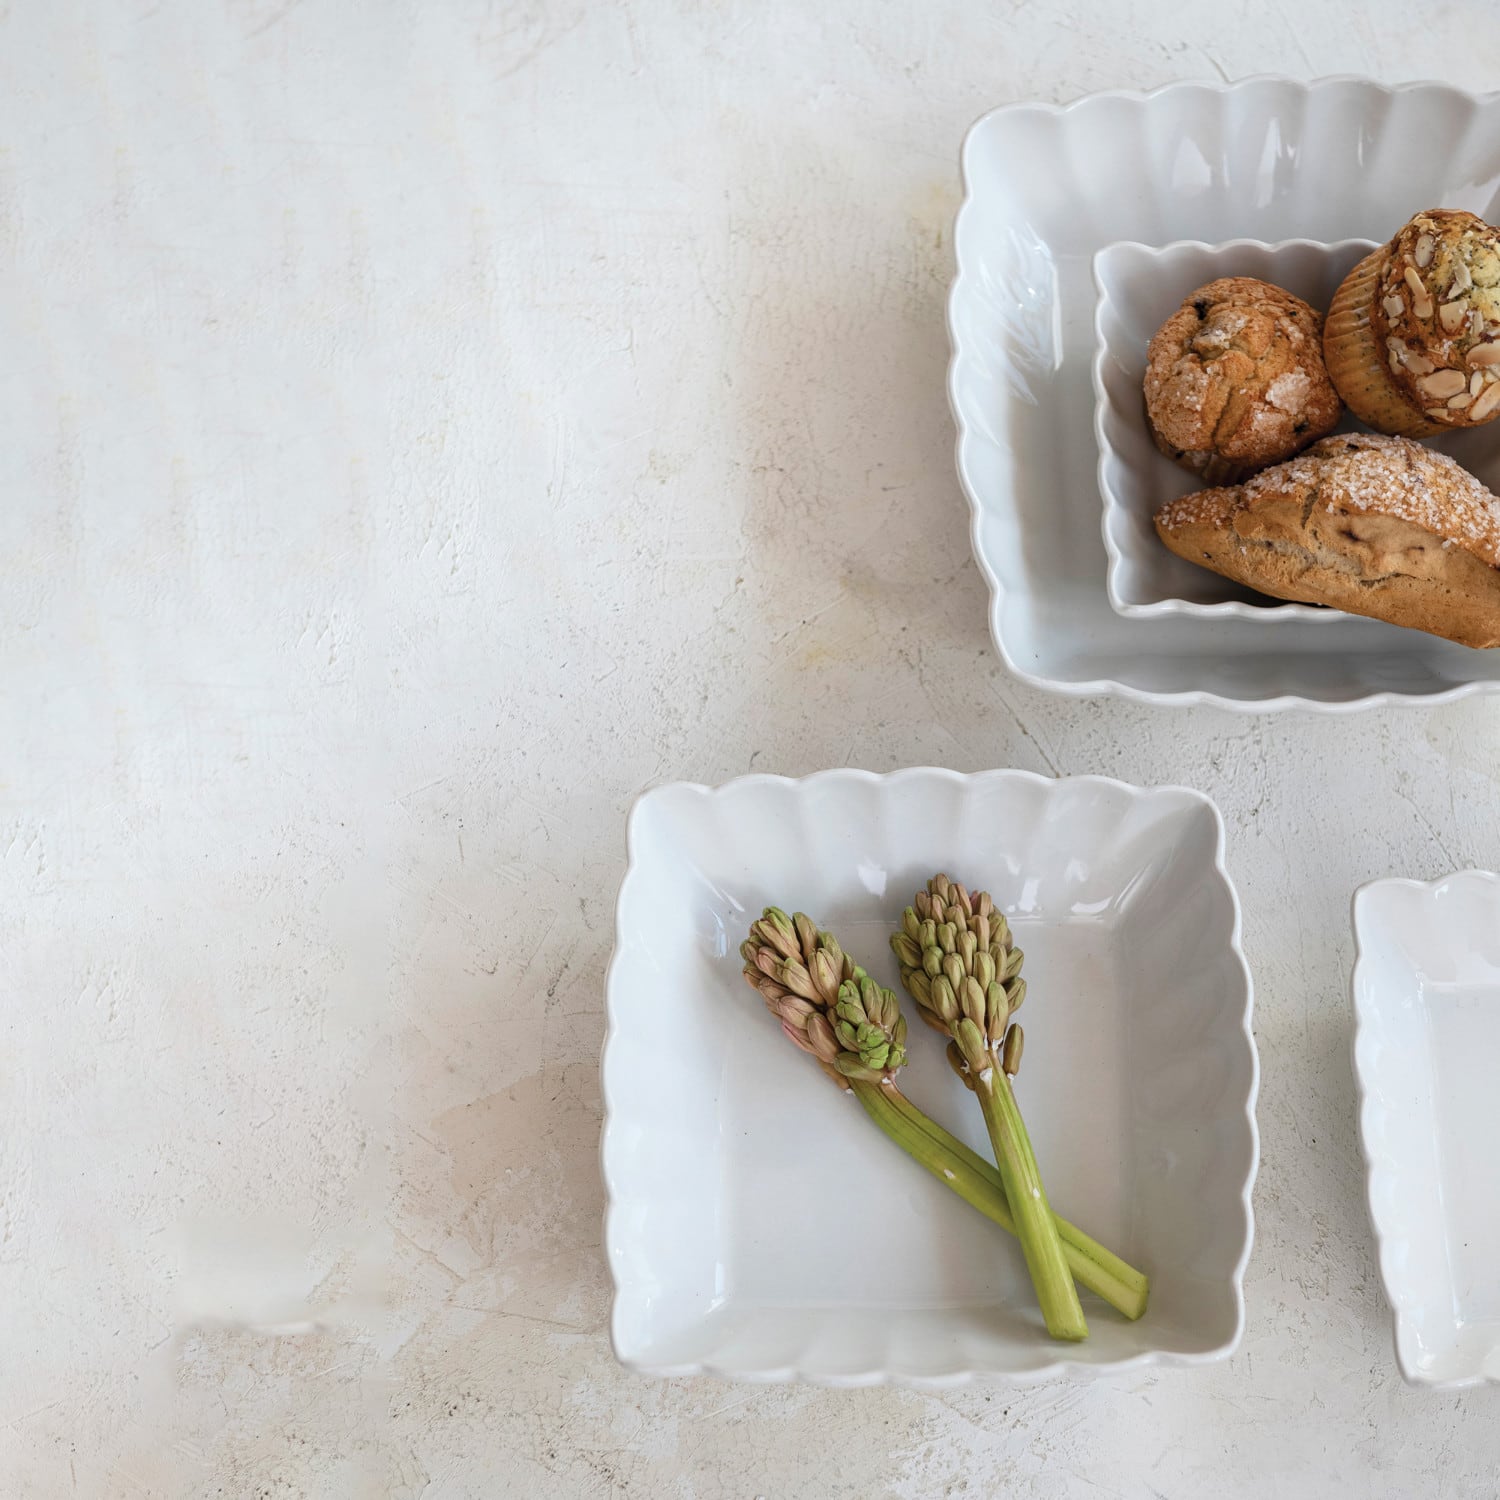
[(1139, 288), (1046, 189), (760, 1227), (1426, 1039)]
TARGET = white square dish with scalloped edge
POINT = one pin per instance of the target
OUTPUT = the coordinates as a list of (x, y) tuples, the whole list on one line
[(1046, 188), (1140, 287), (1426, 1039), (745, 1189)]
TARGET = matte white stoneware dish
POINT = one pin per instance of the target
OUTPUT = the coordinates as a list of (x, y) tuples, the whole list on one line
[(760, 1227)]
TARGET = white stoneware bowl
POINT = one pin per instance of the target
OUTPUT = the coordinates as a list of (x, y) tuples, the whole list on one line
[(760, 1227), (1426, 1040), (1046, 189), (1140, 287)]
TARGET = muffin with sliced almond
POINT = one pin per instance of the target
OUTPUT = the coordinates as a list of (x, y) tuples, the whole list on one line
[(1412, 339)]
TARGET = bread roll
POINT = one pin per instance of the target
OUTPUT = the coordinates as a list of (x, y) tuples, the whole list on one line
[(1377, 526)]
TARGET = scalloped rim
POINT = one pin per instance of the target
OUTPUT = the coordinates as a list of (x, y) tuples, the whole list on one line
[(1378, 1167), (1058, 1367), (1108, 686), (1228, 609)]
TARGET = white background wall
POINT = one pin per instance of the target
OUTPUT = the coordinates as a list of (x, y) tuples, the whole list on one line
[(425, 428)]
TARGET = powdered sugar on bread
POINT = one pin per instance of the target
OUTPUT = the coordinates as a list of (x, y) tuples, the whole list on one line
[(1371, 525)]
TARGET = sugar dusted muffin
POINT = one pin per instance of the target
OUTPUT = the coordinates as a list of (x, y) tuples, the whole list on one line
[(1377, 526), (1413, 336), (1235, 379)]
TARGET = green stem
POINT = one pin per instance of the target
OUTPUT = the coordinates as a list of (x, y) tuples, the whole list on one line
[(978, 1183), (1037, 1233), (1093, 1266)]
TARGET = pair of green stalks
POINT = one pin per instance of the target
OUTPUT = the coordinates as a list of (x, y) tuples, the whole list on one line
[(959, 965)]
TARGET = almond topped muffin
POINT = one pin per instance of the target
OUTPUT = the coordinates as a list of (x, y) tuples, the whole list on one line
[(1235, 379), (1413, 336)]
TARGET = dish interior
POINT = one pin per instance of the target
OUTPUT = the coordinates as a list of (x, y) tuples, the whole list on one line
[(1140, 287), (792, 1233)]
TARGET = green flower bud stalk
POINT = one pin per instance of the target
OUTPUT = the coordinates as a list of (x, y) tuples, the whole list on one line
[(960, 964), (855, 1030)]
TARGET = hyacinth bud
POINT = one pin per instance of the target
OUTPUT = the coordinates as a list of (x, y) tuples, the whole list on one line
[(971, 1000), (972, 1044), (920, 987), (944, 1001), (775, 929), (825, 975), (953, 969), (795, 1012), (829, 944), (908, 955), (1015, 993), (807, 932), (796, 978), (823, 1043), (1010, 1053)]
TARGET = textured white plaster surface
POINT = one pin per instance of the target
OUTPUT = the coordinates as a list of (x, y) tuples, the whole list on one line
[(426, 427)]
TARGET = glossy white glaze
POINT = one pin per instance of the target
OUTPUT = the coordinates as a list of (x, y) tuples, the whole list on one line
[(739, 1176), (1047, 188), (1427, 1034), (1139, 287)]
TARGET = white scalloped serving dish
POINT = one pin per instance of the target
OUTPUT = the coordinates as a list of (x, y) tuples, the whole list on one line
[(1046, 189), (1139, 288), (1426, 1040), (760, 1227)]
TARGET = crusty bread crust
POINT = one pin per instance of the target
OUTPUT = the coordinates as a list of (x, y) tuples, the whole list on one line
[(1235, 379), (1375, 526)]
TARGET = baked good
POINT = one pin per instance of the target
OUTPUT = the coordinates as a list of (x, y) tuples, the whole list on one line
[(1377, 526), (1412, 339), (1235, 379)]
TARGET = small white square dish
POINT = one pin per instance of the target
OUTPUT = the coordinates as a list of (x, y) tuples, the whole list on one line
[(1046, 188), (742, 1186), (1427, 1034), (1139, 288)]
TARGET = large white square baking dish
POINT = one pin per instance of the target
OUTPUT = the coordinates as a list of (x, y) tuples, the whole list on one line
[(760, 1227), (1046, 188)]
